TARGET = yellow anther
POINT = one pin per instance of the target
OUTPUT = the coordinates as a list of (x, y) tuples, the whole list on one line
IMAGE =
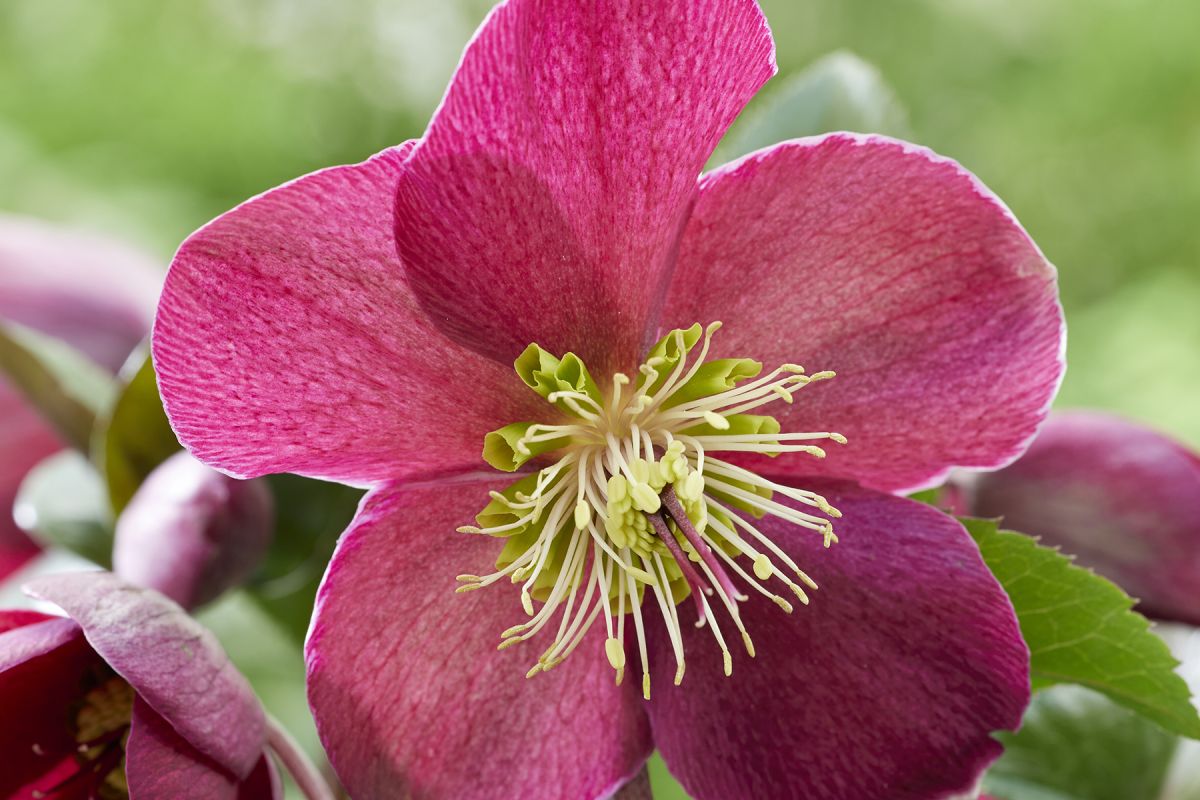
[(749, 643), (508, 643), (467, 578), (800, 593), (583, 514), (615, 652), (679, 674), (837, 437), (527, 603), (782, 393), (618, 488), (468, 529), (646, 685), (716, 420), (728, 662), (645, 498), (534, 670), (784, 604), (762, 567), (468, 587)]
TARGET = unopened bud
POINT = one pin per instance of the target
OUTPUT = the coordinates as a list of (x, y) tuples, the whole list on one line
[(191, 532)]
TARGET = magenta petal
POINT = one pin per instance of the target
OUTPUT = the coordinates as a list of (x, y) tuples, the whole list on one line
[(887, 685), (546, 200), (159, 763), (410, 695), (1123, 498), (287, 340), (900, 271), (170, 660)]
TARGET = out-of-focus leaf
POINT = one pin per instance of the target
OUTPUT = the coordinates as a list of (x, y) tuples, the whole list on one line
[(1082, 629), (62, 503), (662, 782), (310, 515), (136, 436), (1076, 744), (839, 92), (66, 387)]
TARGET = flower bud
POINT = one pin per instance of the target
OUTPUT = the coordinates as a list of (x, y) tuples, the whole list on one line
[(191, 532)]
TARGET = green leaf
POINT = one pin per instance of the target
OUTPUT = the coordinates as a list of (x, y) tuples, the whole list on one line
[(135, 438), (1082, 629), (1076, 744), (662, 783), (61, 502), (310, 516), (839, 92), (65, 386)]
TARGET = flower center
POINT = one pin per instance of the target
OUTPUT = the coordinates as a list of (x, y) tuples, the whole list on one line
[(632, 500), (100, 726)]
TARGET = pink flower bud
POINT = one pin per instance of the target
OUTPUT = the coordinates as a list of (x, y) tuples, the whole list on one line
[(191, 532)]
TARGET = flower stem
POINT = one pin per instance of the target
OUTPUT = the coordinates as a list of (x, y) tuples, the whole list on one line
[(298, 765)]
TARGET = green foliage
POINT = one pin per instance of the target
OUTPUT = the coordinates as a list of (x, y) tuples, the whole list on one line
[(1082, 629), (62, 503), (1076, 744), (136, 437), (66, 387), (310, 515)]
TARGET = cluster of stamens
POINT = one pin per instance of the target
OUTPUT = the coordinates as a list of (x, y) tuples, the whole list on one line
[(635, 502)]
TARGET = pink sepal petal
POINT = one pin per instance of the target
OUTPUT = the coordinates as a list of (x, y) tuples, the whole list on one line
[(287, 340), (1122, 497), (545, 202), (160, 763), (898, 270), (888, 685), (411, 697), (170, 660)]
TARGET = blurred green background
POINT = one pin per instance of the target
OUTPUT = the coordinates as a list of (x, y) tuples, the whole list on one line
[(143, 119)]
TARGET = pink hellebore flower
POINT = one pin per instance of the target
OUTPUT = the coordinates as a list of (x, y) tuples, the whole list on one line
[(96, 295), (1123, 498), (128, 697), (359, 324)]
